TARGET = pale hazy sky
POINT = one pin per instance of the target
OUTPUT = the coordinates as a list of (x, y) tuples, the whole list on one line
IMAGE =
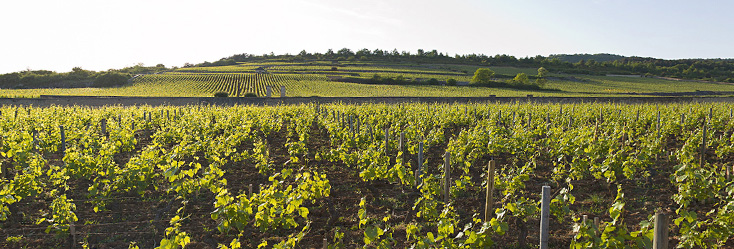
[(99, 35)]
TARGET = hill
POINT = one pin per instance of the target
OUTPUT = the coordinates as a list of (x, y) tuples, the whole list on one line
[(575, 58), (337, 78)]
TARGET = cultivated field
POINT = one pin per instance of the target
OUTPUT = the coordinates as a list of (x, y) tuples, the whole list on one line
[(317, 78), (347, 176)]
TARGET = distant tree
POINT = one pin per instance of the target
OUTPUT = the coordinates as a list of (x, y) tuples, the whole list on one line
[(160, 65), (109, 79), (451, 82), (221, 94), (541, 80), (521, 79), (378, 52), (542, 72), (421, 52), (363, 52), (345, 52), (77, 73), (482, 76)]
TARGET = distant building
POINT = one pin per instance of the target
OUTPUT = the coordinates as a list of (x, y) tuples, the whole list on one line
[(260, 70)]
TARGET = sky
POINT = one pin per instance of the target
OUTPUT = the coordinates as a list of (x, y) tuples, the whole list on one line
[(101, 35)]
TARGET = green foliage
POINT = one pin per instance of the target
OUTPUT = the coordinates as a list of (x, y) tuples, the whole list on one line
[(250, 95), (451, 82), (542, 72), (521, 79), (221, 94), (190, 153), (110, 79), (482, 76)]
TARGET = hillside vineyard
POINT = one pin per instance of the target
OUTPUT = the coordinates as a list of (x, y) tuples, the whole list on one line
[(346, 176)]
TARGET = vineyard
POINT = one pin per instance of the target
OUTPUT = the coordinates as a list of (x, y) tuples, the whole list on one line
[(321, 78), (345, 176)]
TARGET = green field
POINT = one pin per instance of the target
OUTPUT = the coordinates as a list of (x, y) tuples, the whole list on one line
[(303, 79), (366, 176)]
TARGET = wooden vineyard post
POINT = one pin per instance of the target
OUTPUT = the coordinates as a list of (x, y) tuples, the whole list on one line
[(103, 126), (387, 138), (596, 131), (446, 177), (401, 146), (268, 91), (682, 118), (72, 232), (63, 140), (489, 198), (544, 217), (596, 225), (703, 146), (325, 244), (282, 91), (351, 127), (711, 112), (601, 116), (570, 121), (35, 140), (658, 125), (560, 111), (499, 117), (358, 124), (637, 118), (530, 120), (250, 191), (660, 235), (418, 172), (372, 134)]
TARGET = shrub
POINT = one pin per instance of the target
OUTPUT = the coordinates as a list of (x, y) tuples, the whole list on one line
[(111, 79), (250, 95), (221, 94), (482, 76), (450, 82)]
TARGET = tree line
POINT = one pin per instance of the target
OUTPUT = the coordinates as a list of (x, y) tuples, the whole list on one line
[(78, 77), (697, 69)]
